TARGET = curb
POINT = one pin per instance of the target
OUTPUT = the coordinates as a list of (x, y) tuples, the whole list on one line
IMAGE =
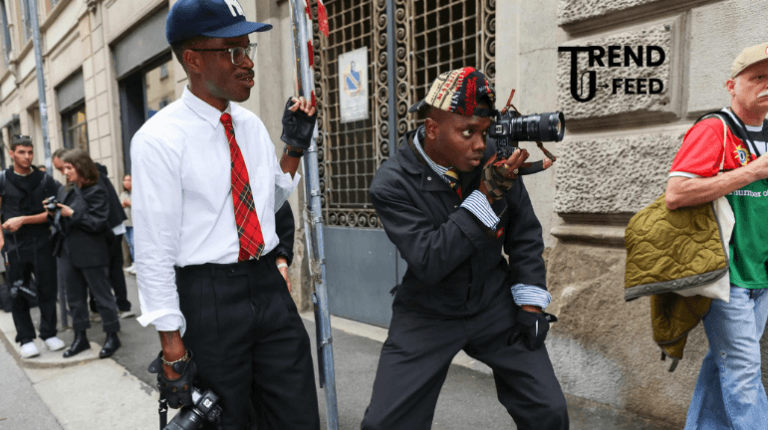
[(47, 359)]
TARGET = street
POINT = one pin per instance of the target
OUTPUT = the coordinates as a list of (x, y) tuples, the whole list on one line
[(118, 393)]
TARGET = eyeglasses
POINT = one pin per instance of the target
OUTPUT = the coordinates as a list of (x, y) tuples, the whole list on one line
[(238, 53)]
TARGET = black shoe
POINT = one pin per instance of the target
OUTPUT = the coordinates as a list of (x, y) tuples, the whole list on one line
[(79, 345), (111, 344)]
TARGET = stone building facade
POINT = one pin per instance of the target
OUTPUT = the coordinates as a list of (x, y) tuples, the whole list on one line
[(107, 67), (614, 161)]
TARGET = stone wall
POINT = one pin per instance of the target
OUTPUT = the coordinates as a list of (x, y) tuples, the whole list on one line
[(614, 175), (615, 159)]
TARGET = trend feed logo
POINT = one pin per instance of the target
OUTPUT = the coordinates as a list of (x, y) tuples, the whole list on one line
[(640, 56)]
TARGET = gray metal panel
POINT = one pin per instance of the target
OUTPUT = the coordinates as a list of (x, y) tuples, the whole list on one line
[(71, 91), (360, 272), (144, 43)]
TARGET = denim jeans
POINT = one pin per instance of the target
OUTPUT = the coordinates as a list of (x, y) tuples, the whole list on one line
[(129, 239), (729, 393)]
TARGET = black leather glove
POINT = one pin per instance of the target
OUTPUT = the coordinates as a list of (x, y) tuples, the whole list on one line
[(534, 327), (177, 392), (297, 127)]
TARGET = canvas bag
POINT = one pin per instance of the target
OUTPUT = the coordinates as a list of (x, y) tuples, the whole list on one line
[(684, 251)]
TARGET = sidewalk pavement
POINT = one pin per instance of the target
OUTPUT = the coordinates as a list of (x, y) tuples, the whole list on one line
[(24, 409), (86, 393), (78, 393)]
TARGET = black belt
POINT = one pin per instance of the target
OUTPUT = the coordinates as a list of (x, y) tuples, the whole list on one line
[(235, 269)]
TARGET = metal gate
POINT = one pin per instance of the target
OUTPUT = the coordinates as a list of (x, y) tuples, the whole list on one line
[(409, 43)]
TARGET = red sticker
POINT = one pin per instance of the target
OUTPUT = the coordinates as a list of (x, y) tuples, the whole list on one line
[(500, 233)]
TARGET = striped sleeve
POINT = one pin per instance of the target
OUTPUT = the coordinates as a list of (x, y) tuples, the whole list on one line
[(530, 295), (478, 204)]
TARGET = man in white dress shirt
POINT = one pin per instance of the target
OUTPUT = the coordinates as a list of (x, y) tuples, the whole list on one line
[(208, 185)]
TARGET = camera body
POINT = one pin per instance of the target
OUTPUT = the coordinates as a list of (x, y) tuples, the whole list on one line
[(510, 127), (205, 407), (51, 203)]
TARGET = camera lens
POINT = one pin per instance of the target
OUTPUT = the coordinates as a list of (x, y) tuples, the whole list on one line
[(545, 127)]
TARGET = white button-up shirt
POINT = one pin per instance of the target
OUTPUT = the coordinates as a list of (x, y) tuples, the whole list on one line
[(182, 199)]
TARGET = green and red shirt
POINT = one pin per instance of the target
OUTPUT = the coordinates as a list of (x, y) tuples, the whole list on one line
[(700, 156)]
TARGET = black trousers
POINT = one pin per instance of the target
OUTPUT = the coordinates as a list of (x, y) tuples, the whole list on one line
[(81, 280), (417, 354), (37, 259), (116, 276), (249, 344)]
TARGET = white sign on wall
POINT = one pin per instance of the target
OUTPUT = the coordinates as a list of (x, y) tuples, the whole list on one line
[(353, 85)]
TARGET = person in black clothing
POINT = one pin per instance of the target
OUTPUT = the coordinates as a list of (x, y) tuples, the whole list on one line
[(26, 245), (116, 219), (436, 199), (82, 240)]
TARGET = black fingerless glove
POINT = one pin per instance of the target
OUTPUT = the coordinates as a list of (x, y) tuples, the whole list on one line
[(534, 327), (297, 127), (177, 392)]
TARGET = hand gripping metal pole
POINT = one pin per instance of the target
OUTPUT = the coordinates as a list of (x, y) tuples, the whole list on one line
[(313, 224)]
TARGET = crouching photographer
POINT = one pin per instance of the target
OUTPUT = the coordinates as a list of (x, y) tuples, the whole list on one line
[(82, 237), (451, 202)]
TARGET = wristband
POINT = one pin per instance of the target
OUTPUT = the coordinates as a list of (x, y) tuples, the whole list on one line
[(171, 363), (282, 265), (292, 153)]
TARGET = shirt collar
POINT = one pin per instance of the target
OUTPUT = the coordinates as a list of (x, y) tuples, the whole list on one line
[(203, 109), (440, 170)]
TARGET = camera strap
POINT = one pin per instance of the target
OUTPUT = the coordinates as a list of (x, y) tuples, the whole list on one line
[(162, 410)]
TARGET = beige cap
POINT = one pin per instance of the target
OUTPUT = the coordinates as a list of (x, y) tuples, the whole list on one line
[(748, 57)]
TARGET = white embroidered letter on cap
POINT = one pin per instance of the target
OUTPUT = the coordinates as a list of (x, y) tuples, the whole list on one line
[(234, 7)]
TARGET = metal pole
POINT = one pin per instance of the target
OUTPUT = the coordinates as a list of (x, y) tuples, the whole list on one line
[(32, 7), (392, 73), (314, 222)]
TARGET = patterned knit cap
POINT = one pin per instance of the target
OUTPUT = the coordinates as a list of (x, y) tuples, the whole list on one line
[(460, 91)]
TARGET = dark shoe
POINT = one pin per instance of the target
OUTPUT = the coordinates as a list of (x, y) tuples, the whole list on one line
[(111, 344), (79, 345)]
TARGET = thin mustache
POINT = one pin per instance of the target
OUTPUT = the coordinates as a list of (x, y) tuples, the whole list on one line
[(249, 75)]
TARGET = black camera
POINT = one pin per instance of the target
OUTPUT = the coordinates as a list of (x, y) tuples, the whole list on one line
[(19, 287), (511, 127), (51, 203), (205, 408)]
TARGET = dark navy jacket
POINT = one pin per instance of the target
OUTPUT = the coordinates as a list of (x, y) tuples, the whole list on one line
[(455, 264)]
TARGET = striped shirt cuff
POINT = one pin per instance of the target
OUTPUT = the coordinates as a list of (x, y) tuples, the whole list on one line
[(530, 295), (478, 204)]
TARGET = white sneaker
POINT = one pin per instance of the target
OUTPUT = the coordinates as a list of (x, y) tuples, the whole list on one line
[(127, 314), (130, 269), (54, 343), (29, 350)]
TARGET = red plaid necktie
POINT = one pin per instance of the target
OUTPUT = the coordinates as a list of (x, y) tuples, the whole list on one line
[(248, 227)]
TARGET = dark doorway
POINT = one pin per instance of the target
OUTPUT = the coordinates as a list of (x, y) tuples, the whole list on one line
[(131, 112)]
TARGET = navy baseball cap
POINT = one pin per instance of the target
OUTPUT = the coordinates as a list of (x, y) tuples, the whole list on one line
[(210, 18)]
